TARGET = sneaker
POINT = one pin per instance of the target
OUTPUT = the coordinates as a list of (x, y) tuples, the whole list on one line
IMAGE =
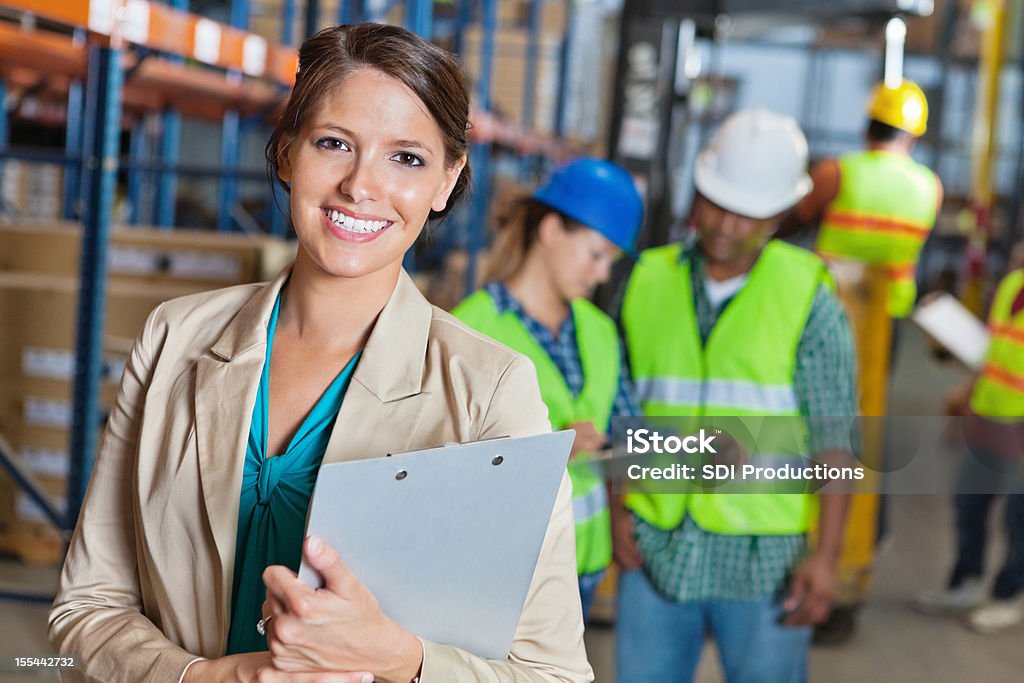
[(965, 597), (996, 616)]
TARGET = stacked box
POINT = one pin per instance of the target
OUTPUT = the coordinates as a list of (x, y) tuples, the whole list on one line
[(38, 304), (32, 190)]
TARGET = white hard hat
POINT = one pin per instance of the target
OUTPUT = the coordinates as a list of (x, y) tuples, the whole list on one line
[(755, 164)]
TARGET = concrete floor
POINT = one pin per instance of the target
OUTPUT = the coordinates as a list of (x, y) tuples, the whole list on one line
[(893, 643)]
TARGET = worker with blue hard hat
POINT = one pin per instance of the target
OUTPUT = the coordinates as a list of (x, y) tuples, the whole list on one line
[(552, 249)]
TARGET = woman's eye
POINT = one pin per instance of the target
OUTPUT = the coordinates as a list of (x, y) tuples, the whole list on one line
[(331, 144), (407, 159)]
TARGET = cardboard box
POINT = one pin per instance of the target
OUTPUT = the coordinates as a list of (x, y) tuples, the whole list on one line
[(32, 190), (194, 258)]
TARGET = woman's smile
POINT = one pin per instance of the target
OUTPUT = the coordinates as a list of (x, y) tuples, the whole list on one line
[(354, 227)]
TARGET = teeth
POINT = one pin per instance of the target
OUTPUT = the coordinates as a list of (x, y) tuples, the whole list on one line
[(355, 225)]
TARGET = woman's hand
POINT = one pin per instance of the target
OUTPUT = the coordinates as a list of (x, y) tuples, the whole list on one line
[(256, 667), (339, 627), (231, 669), (587, 440)]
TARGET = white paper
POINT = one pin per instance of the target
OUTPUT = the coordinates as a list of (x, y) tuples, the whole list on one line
[(947, 321)]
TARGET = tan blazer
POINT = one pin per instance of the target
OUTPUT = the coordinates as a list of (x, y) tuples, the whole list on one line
[(147, 582)]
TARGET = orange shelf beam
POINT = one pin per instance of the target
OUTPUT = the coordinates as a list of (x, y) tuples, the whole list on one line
[(157, 26)]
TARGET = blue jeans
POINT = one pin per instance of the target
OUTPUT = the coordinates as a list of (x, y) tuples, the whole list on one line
[(658, 640), (588, 587)]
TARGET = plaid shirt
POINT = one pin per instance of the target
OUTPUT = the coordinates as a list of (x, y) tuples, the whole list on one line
[(689, 563), (564, 351)]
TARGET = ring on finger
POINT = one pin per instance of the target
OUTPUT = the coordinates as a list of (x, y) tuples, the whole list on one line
[(261, 625)]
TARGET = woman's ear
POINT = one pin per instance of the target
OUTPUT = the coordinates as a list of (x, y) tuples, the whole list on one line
[(284, 164), (550, 228), (451, 178)]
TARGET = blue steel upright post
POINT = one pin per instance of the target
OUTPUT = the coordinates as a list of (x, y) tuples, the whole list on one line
[(481, 152), (72, 191), (288, 22), (104, 117), (563, 70), (349, 11), (229, 154), (463, 18), (138, 150), (312, 20), (167, 179), (73, 150), (5, 141), (231, 132), (419, 18), (279, 201), (527, 163), (169, 144)]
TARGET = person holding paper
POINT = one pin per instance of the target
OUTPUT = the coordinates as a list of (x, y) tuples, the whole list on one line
[(182, 566), (992, 405), (552, 250), (732, 323)]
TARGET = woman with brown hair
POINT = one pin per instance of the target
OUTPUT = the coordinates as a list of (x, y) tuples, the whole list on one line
[(552, 250), (185, 553)]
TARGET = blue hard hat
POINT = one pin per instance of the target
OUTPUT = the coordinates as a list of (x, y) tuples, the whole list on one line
[(598, 194)]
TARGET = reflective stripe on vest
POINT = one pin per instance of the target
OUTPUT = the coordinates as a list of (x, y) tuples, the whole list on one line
[(598, 344), (593, 503), (882, 214), (744, 395), (999, 391), (746, 368)]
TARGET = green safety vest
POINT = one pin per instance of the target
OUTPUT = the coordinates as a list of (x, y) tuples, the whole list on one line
[(599, 353), (999, 390), (745, 369), (882, 215)]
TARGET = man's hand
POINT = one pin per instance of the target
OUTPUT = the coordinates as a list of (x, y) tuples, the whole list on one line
[(588, 439), (624, 548), (811, 591)]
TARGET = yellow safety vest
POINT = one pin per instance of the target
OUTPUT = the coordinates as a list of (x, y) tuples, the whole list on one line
[(745, 369), (883, 213), (999, 391), (598, 343)]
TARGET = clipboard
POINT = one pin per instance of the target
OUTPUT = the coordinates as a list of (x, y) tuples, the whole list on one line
[(954, 327), (447, 539)]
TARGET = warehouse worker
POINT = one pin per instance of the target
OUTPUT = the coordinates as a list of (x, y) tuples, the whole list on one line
[(994, 414), (552, 250), (878, 205), (182, 566), (731, 323)]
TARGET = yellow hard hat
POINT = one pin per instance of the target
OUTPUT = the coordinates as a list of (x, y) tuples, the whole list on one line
[(904, 107)]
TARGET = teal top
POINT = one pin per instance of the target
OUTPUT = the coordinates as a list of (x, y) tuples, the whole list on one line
[(275, 497)]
